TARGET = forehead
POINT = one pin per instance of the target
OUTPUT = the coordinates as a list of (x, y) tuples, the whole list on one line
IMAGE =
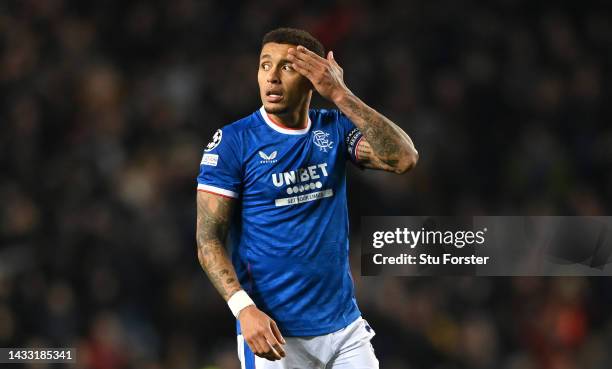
[(274, 50)]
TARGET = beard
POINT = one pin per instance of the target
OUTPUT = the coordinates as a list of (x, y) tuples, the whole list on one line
[(276, 109)]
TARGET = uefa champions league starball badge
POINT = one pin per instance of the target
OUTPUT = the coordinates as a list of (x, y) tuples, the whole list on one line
[(216, 140), (320, 139)]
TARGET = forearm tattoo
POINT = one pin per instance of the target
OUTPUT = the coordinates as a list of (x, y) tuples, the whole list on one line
[(214, 214), (376, 129), (387, 141), (370, 160)]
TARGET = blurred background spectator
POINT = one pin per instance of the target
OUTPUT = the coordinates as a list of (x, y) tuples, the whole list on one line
[(106, 107)]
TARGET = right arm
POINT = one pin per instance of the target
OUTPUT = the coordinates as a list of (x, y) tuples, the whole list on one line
[(213, 220), (214, 214)]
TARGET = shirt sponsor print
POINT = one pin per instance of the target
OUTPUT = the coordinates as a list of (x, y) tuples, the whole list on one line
[(296, 182)]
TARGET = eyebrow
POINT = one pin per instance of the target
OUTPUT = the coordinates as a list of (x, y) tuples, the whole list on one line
[(267, 56)]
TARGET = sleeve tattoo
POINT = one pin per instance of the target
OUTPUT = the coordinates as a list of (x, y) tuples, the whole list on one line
[(368, 159), (386, 145), (213, 220)]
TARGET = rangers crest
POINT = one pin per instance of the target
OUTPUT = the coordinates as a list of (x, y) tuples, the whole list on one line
[(320, 139)]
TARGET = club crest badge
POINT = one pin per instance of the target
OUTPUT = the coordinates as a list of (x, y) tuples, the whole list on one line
[(321, 139)]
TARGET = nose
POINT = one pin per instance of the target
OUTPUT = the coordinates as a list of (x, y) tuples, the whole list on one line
[(273, 76)]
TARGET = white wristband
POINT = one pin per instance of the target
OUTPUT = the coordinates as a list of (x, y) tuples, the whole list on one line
[(239, 301)]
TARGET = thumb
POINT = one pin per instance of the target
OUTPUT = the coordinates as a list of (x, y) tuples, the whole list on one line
[(331, 59)]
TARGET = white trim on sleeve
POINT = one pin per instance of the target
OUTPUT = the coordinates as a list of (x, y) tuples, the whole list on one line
[(217, 190)]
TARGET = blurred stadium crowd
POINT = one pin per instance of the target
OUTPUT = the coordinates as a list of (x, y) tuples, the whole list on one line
[(106, 106)]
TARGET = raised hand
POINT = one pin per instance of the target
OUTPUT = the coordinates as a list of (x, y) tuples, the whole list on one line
[(387, 146), (326, 76)]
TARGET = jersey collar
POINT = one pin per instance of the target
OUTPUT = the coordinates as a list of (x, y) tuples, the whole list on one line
[(280, 129)]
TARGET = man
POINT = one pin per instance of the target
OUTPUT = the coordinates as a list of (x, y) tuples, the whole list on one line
[(276, 181)]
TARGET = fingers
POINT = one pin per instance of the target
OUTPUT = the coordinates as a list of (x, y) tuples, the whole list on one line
[(277, 333), (305, 63), (312, 61), (271, 354), (255, 346), (301, 67), (273, 341), (331, 59), (267, 344), (309, 55), (262, 348), (275, 338), (258, 331), (275, 345), (306, 55)]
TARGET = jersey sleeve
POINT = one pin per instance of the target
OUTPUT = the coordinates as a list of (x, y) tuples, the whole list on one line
[(221, 165), (352, 137)]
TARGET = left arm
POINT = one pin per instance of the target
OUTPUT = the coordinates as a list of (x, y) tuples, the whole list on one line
[(385, 145)]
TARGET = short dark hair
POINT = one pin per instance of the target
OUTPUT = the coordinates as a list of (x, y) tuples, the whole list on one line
[(294, 36)]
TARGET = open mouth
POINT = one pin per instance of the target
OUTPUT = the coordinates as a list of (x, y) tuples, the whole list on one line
[(274, 95)]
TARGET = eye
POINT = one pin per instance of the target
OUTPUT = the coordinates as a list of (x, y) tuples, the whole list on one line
[(265, 66), (287, 67)]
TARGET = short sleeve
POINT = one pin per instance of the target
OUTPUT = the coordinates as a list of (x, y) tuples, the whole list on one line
[(351, 135), (221, 165)]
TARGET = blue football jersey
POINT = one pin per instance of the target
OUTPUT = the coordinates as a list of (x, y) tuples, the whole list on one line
[(289, 235)]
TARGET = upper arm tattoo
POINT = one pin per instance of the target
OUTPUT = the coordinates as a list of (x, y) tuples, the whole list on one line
[(213, 221), (214, 215)]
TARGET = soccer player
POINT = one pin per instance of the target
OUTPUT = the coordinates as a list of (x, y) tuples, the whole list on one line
[(275, 180)]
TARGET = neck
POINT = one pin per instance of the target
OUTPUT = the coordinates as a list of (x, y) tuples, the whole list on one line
[(294, 119)]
